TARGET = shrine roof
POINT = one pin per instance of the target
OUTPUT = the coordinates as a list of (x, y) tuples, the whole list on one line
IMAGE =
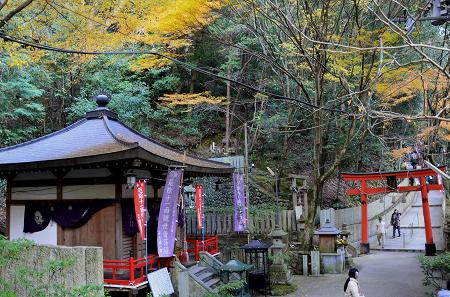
[(100, 136)]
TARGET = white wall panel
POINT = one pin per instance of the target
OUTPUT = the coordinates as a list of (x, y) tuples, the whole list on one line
[(46, 236), (89, 192), (33, 193)]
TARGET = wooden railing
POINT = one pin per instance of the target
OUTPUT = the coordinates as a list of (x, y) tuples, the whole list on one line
[(223, 224), (132, 271), (197, 245)]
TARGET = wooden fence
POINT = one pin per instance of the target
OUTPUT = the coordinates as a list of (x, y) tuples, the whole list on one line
[(222, 224)]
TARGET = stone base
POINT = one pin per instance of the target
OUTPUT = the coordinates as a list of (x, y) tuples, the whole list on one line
[(430, 249), (332, 262), (365, 248), (280, 274)]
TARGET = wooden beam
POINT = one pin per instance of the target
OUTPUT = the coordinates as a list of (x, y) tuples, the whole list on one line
[(400, 189), (60, 240), (8, 208), (118, 218), (383, 175)]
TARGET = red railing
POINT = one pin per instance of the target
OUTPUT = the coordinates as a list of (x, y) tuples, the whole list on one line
[(132, 271), (196, 245)]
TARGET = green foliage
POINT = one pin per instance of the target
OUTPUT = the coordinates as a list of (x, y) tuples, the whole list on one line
[(281, 290), (280, 258), (21, 115), (228, 290), (436, 270)]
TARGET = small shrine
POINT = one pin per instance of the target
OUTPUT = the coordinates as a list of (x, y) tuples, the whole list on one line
[(328, 236), (332, 259)]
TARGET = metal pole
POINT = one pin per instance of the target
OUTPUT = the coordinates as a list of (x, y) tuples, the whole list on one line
[(437, 170), (203, 223), (247, 191), (146, 228), (277, 217)]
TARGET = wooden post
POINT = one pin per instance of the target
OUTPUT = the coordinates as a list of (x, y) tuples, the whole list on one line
[(430, 247), (131, 270), (8, 208), (365, 248)]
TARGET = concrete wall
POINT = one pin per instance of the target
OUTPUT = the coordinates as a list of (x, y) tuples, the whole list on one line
[(381, 207), (43, 270), (184, 283)]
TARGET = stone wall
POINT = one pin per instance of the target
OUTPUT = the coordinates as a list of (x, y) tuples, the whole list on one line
[(218, 192), (41, 270), (381, 207)]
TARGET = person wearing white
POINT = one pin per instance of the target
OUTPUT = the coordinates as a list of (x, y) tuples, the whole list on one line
[(381, 230), (351, 287)]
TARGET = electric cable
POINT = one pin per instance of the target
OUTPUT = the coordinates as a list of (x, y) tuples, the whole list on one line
[(23, 42)]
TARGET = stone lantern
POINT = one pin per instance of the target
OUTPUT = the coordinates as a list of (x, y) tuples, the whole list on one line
[(328, 235), (345, 234)]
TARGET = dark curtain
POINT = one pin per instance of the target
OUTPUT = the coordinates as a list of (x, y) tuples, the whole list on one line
[(129, 222), (37, 217), (68, 214), (75, 214)]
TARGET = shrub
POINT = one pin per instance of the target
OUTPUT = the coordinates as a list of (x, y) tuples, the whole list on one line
[(436, 270)]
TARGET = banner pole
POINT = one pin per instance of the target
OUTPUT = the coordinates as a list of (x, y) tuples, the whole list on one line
[(203, 223), (146, 228)]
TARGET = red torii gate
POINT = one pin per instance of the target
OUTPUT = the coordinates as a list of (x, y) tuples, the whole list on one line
[(391, 178)]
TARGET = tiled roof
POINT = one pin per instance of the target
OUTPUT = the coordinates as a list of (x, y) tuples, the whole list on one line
[(100, 133)]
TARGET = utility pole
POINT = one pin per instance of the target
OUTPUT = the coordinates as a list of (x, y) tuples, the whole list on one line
[(227, 118), (247, 191)]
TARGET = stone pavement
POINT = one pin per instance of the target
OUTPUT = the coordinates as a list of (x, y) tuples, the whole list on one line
[(390, 272), (382, 274), (413, 228)]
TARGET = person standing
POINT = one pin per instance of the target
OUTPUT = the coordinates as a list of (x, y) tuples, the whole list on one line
[(351, 287), (381, 230), (414, 159), (395, 222)]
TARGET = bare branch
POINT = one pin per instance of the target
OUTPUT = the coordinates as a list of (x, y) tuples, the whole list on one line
[(13, 12)]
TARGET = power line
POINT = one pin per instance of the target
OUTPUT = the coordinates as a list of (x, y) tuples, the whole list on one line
[(23, 42)]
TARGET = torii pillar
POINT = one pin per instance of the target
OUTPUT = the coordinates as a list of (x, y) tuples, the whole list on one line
[(391, 178), (430, 246)]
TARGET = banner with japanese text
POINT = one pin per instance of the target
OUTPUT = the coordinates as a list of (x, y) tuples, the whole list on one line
[(139, 206), (199, 205), (240, 214), (167, 220)]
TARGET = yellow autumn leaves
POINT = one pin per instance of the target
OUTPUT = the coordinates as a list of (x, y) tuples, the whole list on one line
[(164, 25)]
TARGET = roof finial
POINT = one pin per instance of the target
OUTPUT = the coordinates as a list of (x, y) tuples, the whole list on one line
[(102, 99)]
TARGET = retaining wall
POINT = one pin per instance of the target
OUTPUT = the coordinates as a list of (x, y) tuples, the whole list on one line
[(43, 270)]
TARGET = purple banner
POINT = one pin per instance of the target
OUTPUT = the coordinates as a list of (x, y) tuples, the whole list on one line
[(167, 220), (240, 214)]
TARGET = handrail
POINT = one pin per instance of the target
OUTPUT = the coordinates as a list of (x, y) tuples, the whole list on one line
[(132, 271), (210, 244)]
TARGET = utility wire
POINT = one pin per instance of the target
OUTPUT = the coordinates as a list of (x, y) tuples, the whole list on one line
[(23, 42)]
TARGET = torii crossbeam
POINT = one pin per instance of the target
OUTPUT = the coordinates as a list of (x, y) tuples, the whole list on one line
[(392, 177)]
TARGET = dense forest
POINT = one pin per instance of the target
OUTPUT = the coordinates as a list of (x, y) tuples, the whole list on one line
[(323, 86)]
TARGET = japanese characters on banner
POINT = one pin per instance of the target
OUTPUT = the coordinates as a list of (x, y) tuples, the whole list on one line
[(240, 214), (139, 206), (199, 205), (167, 220)]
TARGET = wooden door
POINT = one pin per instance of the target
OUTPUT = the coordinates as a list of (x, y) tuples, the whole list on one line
[(100, 231)]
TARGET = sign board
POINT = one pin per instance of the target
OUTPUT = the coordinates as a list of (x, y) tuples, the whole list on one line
[(167, 220), (139, 206), (160, 283), (199, 204)]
